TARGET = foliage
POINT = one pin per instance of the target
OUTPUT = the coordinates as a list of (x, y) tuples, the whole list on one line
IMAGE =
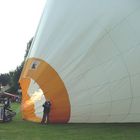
[(14, 78), (28, 48), (4, 79)]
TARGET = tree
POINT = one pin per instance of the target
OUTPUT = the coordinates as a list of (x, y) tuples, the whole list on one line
[(14, 78), (4, 79), (28, 48)]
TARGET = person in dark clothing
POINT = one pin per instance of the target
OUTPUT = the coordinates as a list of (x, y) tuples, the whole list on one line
[(7, 103), (6, 108), (46, 111)]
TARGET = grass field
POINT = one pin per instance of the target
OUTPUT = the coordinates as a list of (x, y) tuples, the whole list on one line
[(23, 130)]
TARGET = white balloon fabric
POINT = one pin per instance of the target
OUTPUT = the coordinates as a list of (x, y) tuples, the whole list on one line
[(86, 62)]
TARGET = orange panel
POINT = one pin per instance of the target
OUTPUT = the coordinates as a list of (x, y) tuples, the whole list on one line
[(53, 88), (27, 106)]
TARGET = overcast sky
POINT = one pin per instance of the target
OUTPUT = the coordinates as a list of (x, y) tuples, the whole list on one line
[(18, 23)]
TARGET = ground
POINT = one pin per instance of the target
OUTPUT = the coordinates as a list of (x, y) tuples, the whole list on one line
[(23, 130)]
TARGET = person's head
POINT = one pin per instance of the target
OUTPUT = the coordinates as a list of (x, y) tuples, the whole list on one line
[(48, 99)]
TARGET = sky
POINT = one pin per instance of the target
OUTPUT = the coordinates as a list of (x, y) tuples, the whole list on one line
[(18, 23)]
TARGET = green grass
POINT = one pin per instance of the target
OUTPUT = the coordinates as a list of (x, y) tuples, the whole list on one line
[(23, 130)]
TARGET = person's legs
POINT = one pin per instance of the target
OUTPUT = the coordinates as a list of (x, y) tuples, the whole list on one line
[(44, 118), (48, 118), (4, 116)]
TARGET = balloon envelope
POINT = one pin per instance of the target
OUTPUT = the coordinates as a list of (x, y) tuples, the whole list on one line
[(85, 59)]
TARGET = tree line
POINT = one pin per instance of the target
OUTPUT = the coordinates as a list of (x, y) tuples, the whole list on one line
[(12, 78)]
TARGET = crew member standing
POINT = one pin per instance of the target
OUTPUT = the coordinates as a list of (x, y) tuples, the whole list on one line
[(46, 111)]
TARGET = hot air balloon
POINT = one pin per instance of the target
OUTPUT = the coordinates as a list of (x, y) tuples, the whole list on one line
[(85, 59)]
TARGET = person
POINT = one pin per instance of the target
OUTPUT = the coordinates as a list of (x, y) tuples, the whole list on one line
[(7, 103), (6, 108), (46, 111)]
